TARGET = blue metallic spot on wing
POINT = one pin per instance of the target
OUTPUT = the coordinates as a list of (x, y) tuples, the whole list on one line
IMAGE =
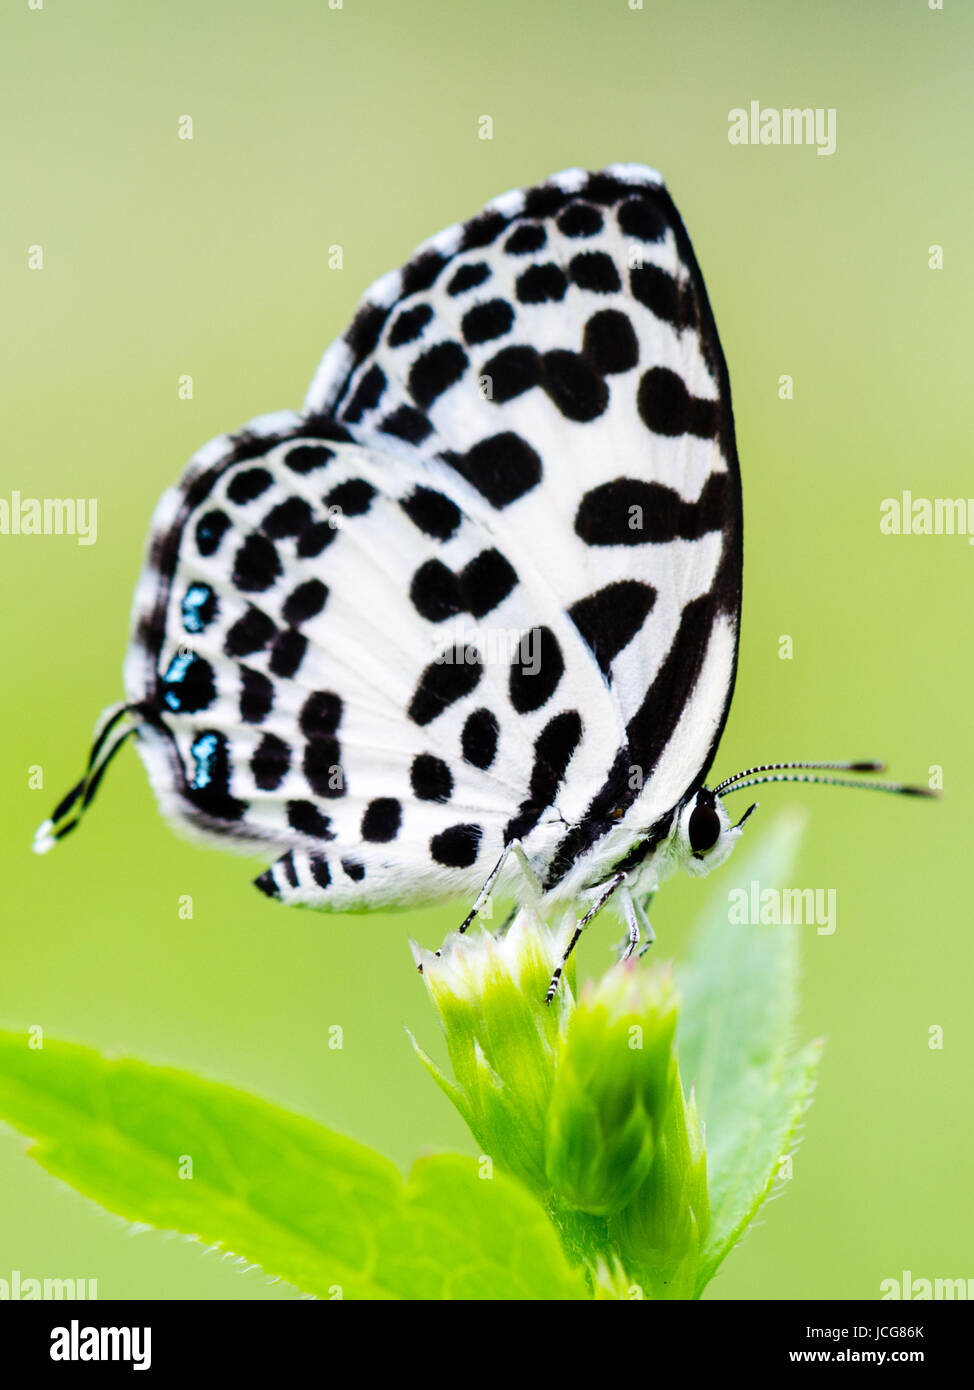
[(188, 684), (175, 675), (198, 607), (204, 750)]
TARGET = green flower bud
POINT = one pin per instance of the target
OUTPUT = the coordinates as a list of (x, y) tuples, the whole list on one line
[(501, 1036), (661, 1233), (582, 1102), (612, 1082)]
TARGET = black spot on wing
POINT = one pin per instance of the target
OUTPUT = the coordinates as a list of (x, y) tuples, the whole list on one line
[(188, 684), (478, 742), (320, 871), (367, 395), (316, 539), (575, 388), (468, 277), (603, 187), (435, 371), (321, 765), (352, 498), (256, 695), (580, 220), (409, 324), (628, 511), (366, 327), (305, 458), (502, 467), (287, 864), (305, 817), (247, 484), (267, 884), (432, 512), (292, 517), (610, 618), (486, 321), (610, 342), (486, 581), (545, 200), (270, 762), (304, 602), (456, 847), (668, 298), (256, 565), (511, 372), (666, 406), (408, 423), (437, 593), (445, 681), (525, 239), (640, 217), (541, 284), (287, 653), (536, 669), (571, 380), (483, 230), (381, 820), (430, 778), (251, 632), (595, 271), (320, 714), (210, 530), (422, 272)]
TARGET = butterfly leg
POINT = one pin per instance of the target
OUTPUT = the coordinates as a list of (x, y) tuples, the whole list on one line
[(648, 934), (639, 927), (530, 878), (608, 888)]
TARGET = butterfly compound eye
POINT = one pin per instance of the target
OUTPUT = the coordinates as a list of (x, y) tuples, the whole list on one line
[(704, 827)]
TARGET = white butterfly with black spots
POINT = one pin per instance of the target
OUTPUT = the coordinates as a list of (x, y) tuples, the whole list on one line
[(474, 611)]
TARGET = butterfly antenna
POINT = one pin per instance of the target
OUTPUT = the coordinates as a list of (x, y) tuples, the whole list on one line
[(108, 739), (807, 772)]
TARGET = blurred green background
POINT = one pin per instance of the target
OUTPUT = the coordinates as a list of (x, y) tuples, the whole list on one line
[(358, 126)]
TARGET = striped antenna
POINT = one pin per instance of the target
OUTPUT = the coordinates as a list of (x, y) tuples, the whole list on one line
[(785, 772)]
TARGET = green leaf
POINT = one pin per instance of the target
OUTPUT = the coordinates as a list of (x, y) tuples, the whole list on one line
[(312, 1207), (464, 1236), (739, 1001)]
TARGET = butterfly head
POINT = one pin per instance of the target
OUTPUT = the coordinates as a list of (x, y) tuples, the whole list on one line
[(705, 834)]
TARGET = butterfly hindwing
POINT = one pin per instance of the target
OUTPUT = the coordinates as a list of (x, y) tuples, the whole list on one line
[(347, 667)]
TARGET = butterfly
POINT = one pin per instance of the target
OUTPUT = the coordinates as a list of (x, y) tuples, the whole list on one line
[(471, 615)]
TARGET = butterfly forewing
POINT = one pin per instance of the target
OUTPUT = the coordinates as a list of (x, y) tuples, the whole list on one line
[(559, 354)]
